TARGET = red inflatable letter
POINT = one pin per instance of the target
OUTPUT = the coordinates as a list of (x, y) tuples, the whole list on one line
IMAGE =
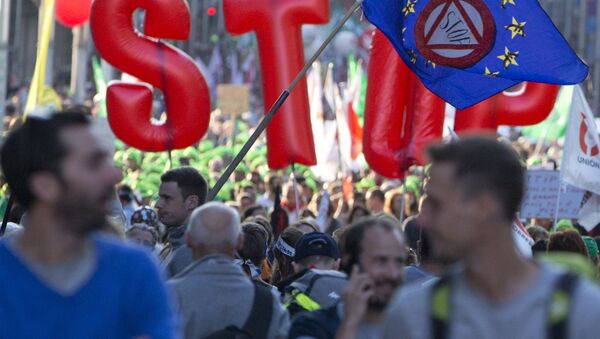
[(129, 106), (401, 115), (277, 25), (529, 106), (73, 13)]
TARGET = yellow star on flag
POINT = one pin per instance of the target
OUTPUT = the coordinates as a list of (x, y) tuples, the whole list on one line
[(429, 62), (516, 28), (413, 56), (509, 58), (409, 8), (490, 73), (505, 2)]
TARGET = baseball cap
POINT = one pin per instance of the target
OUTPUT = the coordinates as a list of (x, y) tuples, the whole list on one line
[(316, 243)]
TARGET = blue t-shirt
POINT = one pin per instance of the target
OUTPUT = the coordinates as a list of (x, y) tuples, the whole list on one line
[(124, 298)]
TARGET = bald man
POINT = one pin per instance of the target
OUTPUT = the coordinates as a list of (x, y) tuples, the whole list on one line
[(214, 293)]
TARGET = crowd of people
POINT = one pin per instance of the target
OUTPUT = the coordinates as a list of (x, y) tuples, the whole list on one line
[(431, 256)]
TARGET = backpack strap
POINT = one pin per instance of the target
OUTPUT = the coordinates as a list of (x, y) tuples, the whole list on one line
[(259, 320), (440, 308), (560, 306)]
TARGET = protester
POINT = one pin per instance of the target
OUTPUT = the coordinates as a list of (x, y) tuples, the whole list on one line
[(316, 283), (375, 200), (145, 215), (142, 235), (357, 213), (567, 241), (284, 250), (373, 255), (127, 199), (66, 280), (253, 251), (538, 233), (474, 190), (214, 294), (181, 191)]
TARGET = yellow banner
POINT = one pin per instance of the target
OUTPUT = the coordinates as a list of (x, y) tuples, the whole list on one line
[(36, 89)]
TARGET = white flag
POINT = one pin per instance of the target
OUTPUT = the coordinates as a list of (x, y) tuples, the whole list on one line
[(581, 158), (324, 131), (589, 214)]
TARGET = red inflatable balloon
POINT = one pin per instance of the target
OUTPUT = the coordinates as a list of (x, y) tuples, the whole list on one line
[(185, 91), (73, 13), (401, 116), (277, 25), (528, 106)]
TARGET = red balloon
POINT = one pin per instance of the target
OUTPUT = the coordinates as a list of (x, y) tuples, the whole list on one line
[(529, 106), (73, 13), (277, 25), (186, 94), (401, 116)]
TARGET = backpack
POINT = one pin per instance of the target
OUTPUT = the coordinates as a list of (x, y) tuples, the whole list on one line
[(314, 290), (258, 322), (559, 306)]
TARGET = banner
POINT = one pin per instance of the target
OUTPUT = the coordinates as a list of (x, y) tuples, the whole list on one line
[(581, 158), (36, 89)]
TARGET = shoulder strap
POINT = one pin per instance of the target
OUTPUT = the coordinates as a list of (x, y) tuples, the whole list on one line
[(440, 308), (259, 319), (560, 305)]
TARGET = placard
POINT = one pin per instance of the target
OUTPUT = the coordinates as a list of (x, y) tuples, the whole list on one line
[(541, 194), (233, 99)]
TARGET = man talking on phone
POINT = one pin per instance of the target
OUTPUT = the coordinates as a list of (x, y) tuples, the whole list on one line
[(373, 255)]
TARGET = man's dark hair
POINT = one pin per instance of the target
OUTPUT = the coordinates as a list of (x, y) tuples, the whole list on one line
[(262, 221), (376, 193), (567, 241), (250, 211), (350, 241), (485, 165), (412, 231), (255, 243), (189, 181), (34, 147)]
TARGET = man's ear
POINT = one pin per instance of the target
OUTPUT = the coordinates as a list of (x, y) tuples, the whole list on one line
[(240, 242), (336, 265), (488, 207), (45, 187), (191, 202)]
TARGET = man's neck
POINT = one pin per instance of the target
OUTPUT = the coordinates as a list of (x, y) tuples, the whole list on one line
[(199, 253), (496, 271), (45, 240)]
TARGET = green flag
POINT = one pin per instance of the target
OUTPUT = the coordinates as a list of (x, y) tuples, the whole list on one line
[(555, 125), (100, 86)]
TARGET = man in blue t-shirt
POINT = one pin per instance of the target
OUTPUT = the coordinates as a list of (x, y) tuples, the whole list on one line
[(61, 278)]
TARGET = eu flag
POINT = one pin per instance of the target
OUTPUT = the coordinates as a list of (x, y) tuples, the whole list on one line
[(468, 50)]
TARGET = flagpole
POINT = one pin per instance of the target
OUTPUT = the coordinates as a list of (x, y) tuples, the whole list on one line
[(557, 201), (296, 196), (278, 103), (403, 198)]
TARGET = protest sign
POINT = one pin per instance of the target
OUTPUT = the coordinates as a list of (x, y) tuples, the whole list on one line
[(541, 194)]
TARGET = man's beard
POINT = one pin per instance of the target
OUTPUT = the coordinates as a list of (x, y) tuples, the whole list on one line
[(81, 215), (379, 303)]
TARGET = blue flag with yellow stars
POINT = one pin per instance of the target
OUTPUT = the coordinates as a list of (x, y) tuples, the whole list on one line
[(468, 50)]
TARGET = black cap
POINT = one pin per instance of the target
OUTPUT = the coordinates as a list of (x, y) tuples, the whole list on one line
[(316, 243)]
